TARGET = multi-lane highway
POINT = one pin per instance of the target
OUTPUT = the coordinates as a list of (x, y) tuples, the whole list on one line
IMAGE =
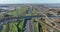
[(28, 25), (6, 20), (23, 17)]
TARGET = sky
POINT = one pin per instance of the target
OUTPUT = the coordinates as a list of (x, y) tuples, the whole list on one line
[(28, 1)]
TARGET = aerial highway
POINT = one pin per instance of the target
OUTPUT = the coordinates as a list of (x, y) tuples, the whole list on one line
[(28, 25), (6, 20), (23, 17)]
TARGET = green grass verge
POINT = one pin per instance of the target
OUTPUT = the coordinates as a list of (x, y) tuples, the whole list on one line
[(21, 25), (35, 24), (4, 28), (13, 27)]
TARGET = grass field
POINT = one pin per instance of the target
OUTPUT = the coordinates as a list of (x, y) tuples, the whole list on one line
[(13, 27), (35, 24), (18, 11), (21, 25), (4, 28)]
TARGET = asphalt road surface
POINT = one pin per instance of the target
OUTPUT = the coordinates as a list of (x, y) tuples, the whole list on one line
[(28, 25), (6, 20)]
